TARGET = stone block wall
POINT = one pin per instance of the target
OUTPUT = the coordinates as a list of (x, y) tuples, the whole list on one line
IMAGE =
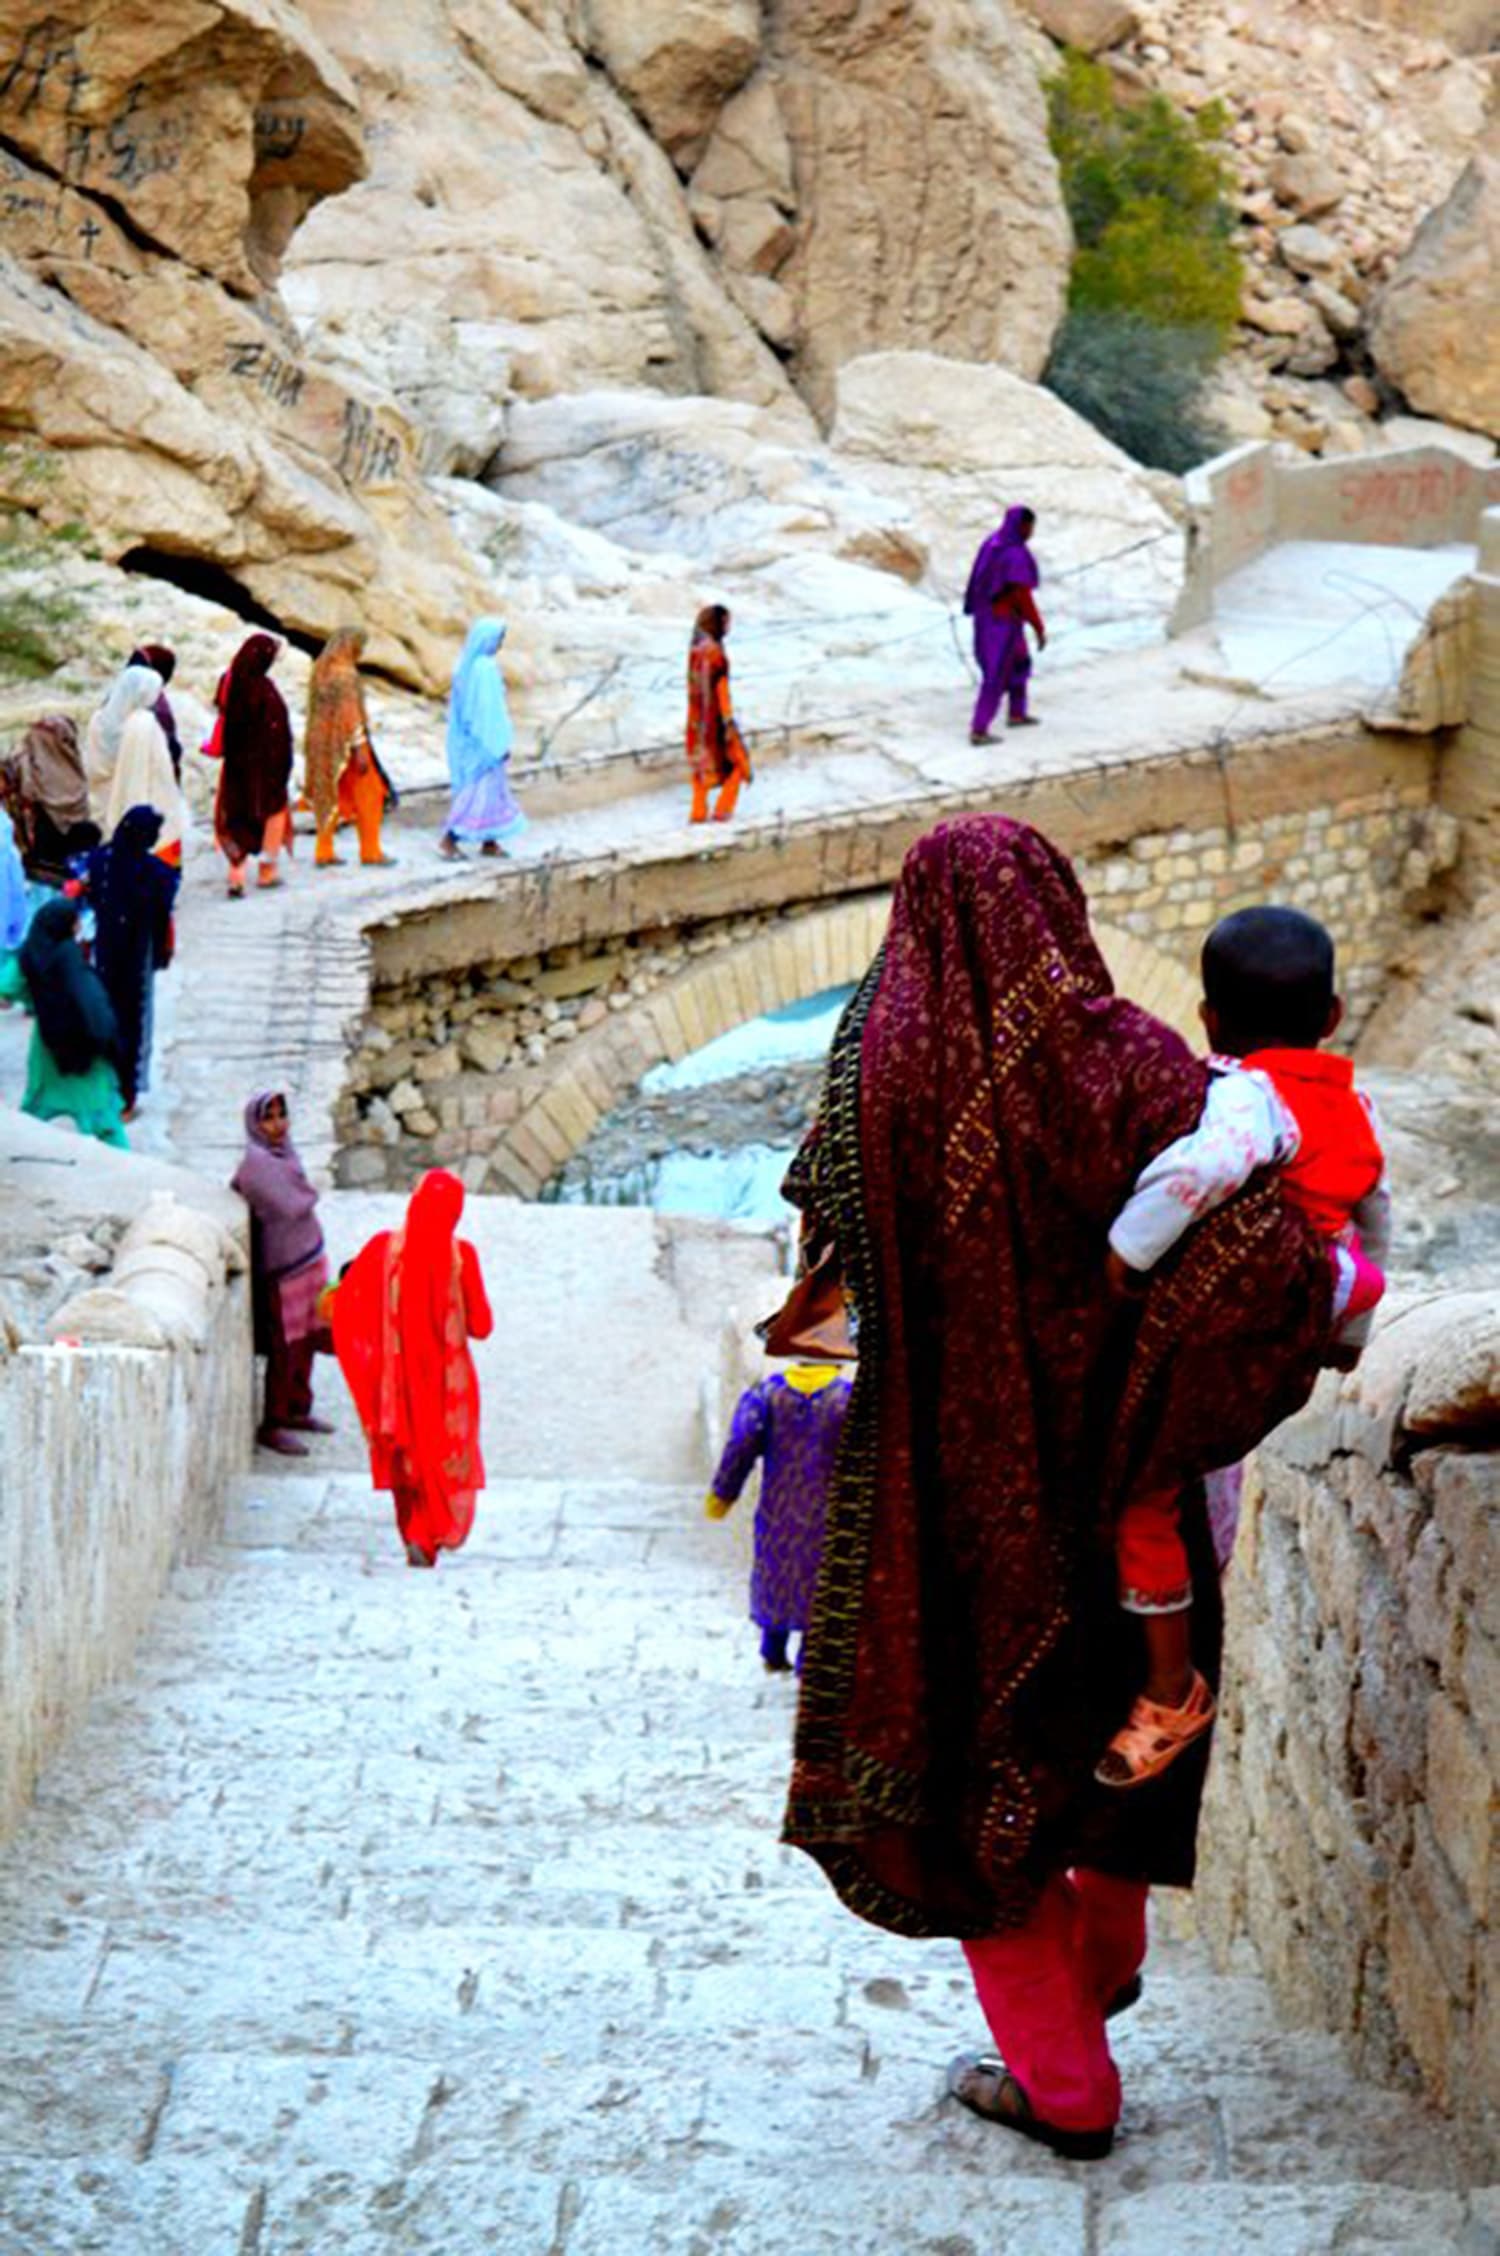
[(116, 1456), (1351, 1823), (1362, 863)]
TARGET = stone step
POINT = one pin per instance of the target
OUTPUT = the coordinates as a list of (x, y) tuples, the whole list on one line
[(386, 1911), (694, 2195)]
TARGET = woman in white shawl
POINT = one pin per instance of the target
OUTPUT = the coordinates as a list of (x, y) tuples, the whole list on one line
[(143, 775), (101, 744), (479, 742)]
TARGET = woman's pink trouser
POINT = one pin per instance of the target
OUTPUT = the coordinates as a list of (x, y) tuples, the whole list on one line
[(1044, 1987)]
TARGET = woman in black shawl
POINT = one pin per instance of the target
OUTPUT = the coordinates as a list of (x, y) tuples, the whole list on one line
[(252, 815), (132, 892), (72, 1070)]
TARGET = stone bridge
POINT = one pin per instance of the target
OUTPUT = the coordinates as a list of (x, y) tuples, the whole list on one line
[(504, 1025)]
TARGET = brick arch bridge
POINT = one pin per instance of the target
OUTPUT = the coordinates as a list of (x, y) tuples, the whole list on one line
[(780, 965)]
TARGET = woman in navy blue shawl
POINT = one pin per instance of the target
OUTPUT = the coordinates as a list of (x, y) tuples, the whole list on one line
[(132, 892), (999, 601)]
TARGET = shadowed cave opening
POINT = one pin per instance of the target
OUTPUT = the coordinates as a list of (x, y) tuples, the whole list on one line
[(195, 575)]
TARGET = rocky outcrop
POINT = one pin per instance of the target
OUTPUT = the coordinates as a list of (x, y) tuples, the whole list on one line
[(927, 208), (1342, 131), (152, 387), (1436, 329), (676, 60), (731, 199)]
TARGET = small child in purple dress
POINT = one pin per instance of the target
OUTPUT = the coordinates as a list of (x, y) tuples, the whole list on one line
[(792, 1420)]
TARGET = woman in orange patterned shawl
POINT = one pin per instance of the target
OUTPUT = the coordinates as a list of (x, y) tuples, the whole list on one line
[(989, 1099), (344, 780), (716, 752), (403, 1316)]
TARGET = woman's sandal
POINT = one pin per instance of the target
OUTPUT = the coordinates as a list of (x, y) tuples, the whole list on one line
[(1154, 1736), (981, 2082)]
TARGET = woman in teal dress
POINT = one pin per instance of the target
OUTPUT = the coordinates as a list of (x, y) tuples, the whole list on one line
[(72, 1069)]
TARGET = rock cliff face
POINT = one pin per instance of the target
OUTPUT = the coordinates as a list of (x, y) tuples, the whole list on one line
[(731, 199), (151, 386)]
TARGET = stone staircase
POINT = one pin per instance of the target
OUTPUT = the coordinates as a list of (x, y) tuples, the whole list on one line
[(383, 1911)]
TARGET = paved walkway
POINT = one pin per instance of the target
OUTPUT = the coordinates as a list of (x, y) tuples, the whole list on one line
[(394, 1912)]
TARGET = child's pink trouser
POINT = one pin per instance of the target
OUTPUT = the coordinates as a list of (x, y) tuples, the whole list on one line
[(1044, 1987)]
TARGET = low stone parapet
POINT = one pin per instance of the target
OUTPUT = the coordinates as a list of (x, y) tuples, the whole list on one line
[(125, 1412), (1352, 1809)]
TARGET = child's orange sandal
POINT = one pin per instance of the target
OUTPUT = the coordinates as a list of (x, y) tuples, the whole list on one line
[(1154, 1737)]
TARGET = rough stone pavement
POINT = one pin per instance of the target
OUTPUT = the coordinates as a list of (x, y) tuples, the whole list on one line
[(391, 1912)]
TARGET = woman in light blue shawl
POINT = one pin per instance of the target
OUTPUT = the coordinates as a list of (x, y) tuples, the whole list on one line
[(479, 742), (14, 905)]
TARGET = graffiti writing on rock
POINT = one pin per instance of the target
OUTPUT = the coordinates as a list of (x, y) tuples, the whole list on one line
[(274, 376), (46, 62), (279, 134), (368, 454)]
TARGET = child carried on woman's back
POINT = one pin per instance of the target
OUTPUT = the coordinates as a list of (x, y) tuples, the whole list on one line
[(1275, 1099)]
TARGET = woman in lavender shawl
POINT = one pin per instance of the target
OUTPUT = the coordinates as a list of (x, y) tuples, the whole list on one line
[(479, 741), (288, 1270), (999, 601)]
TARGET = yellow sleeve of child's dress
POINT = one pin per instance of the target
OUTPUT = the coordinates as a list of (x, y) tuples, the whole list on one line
[(715, 1507)]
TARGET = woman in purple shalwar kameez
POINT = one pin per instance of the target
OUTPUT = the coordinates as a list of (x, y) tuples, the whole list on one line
[(792, 1420), (999, 601)]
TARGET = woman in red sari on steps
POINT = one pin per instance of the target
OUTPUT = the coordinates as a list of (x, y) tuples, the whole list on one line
[(403, 1316), (988, 1095)]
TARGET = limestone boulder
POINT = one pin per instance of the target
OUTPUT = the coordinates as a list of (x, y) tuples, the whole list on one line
[(1455, 1385), (956, 444), (1436, 326), (1090, 25), (676, 60), (153, 386)]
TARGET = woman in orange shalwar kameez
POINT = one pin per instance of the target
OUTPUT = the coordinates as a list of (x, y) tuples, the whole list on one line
[(403, 1316), (715, 749)]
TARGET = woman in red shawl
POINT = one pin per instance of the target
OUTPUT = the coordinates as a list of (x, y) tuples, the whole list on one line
[(251, 814), (715, 749), (403, 1316), (987, 1102)]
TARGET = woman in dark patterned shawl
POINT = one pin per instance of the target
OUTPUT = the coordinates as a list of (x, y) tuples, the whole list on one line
[(989, 1102), (251, 813)]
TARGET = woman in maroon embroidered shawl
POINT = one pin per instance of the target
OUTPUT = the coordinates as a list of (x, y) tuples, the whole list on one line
[(251, 813), (988, 1101)]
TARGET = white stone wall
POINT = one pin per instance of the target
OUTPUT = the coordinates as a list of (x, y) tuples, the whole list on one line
[(116, 1460)]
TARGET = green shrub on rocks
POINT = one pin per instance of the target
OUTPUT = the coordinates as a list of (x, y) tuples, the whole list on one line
[(1139, 382), (1154, 292), (40, 619)]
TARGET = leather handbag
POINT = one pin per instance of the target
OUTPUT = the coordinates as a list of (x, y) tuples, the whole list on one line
[(813, 1321)]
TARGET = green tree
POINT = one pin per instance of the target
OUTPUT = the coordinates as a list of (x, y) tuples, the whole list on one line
[(1154, 291)]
